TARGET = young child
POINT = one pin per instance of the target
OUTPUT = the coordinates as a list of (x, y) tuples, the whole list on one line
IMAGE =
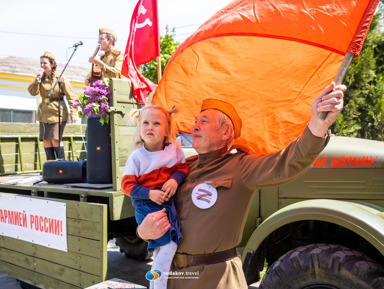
[(153, 171)]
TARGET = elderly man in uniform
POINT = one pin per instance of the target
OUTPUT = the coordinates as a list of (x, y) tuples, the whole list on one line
[(109, 62), (214, 200)]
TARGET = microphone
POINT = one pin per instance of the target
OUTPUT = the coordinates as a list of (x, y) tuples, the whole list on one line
[(39, 76), (78, 44)]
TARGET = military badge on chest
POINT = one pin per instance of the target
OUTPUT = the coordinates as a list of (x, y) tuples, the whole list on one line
[(204, 196)]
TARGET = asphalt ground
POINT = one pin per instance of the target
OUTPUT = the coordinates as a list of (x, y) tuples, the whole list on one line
[(118, 267)]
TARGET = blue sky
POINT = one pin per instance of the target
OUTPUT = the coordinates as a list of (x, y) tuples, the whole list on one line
[(28, 28)]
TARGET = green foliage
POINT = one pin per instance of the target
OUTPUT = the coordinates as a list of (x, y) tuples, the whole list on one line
[(363, 113), (168, 46)]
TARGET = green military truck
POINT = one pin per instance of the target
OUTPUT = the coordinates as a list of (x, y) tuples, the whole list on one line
[(323, 230)]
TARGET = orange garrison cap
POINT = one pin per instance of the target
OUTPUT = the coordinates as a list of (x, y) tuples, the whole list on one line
[(48, 54), (227, 109)]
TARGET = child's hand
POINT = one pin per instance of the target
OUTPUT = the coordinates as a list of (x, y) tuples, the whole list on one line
[(158, 196), (170, 187)]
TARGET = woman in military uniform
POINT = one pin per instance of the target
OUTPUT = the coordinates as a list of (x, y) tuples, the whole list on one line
[(47, 113)]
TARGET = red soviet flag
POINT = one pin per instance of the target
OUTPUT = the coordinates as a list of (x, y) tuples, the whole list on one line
[(142, 47), (146, 41)]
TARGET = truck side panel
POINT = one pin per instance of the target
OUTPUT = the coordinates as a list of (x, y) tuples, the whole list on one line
[(357, 184), (22, 152), (122, 129), (83, 265)]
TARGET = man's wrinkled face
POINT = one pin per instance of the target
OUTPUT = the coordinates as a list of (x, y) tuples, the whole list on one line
[(206, 134)]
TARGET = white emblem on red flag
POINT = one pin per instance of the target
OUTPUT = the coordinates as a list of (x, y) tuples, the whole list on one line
[(147, 21)]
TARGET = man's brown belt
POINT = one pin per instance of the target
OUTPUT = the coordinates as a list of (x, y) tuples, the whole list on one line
[(185, 260), (47, 99)]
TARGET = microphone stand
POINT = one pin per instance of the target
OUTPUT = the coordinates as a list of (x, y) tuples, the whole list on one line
[(50, 93)]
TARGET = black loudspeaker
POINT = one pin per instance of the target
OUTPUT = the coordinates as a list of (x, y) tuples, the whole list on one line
[(61, 172), (99, 159)]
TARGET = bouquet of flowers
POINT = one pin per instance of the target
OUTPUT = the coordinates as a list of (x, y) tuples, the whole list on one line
[(95, 101)]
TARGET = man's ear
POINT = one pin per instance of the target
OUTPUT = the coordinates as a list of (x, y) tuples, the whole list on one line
[(227, 132)]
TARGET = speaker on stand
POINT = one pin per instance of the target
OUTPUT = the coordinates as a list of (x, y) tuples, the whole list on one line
[(99, 159)]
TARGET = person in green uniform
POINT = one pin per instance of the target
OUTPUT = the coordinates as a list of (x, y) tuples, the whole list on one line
[(48, 109), (111, 61), (214, 200)]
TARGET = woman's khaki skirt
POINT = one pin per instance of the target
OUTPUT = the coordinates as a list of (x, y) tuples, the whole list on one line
[(51, 130)]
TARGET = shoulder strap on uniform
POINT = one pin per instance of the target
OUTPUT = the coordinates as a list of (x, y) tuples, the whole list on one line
[(238, 148), (191, 158)]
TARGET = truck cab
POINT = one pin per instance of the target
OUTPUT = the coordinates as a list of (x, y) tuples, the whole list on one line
[(325, 228)]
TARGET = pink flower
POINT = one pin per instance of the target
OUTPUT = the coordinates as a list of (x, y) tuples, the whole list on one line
[(99, 94)]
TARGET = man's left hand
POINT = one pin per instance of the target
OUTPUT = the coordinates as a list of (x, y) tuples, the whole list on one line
[(96, 61), (329, 100)]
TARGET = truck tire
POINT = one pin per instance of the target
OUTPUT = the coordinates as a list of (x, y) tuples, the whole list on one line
[(321, 266), (133, 247)]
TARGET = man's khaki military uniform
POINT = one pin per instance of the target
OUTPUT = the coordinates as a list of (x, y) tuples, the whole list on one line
[(220, 227), (113, 62), (48, 107)]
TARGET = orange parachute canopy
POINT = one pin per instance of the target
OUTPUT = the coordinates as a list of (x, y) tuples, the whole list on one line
[(269, 58)]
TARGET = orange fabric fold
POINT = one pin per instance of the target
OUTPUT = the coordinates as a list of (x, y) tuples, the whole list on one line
[(269, 59)]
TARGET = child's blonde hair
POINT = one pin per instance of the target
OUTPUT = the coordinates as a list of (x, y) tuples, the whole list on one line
[(170, 132)]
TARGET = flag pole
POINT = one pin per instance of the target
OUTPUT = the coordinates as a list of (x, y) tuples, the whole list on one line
[(340, 75), (158, 68)]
